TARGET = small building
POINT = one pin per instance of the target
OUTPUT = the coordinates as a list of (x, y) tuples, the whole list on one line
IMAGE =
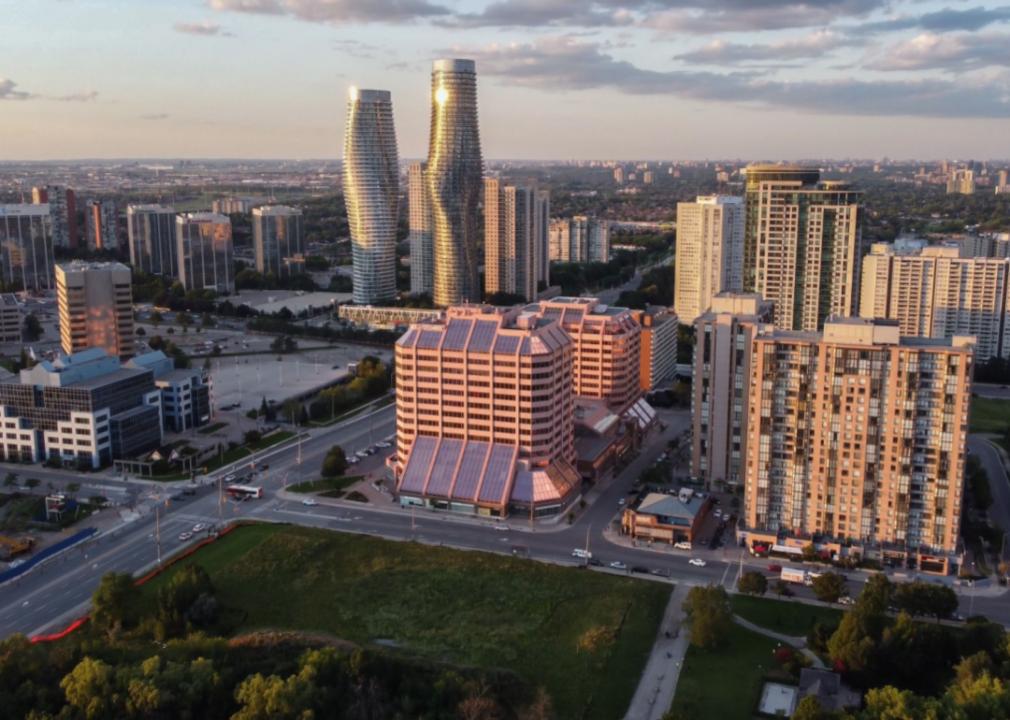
[(832, 694), (185, 393), (667, 518)]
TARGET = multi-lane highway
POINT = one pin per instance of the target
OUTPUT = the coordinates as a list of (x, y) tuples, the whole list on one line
[(50, 596)]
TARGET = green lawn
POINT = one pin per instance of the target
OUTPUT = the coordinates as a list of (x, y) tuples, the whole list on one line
[(230, 456), (212, 428), (989, 415), (724, 683), (324, 484), (584, 636), (789, 618)]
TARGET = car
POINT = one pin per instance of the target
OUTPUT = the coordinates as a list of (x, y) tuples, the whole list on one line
[(697, 562), (846, 600), (309, 502), (383, 444), (199, 527), (622, 502), (774, 568), (639, 569), (501, 528), (352, 460), (189, 491), (362, 454), (682, 545), (229, 478), (582, 554), (184, 536), (718, 513), (595, 563), (618, 565)]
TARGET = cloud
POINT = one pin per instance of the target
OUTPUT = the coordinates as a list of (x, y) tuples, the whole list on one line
[(203, 28), (560, 63), (705, 16), (155, 116), (78, 97), (720, 52), (9, 91), (337, 12), (948, 52), (944, 20), (356, 49)]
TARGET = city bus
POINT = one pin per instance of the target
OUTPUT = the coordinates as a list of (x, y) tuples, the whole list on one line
[(244, 492)]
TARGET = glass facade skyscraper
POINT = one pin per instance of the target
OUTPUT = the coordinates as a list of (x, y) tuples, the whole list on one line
[(26, 247), (277, 240), (151, 229), (454, 176), (205, 251), (371, 193)]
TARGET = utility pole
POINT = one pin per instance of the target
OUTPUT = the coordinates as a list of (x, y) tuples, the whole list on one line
[(157, 531), (220, 501), (588, 528)]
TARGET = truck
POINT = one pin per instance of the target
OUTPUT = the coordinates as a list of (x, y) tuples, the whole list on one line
[(794, 575)]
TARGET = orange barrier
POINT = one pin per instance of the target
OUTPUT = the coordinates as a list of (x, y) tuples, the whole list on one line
[(76, 624)]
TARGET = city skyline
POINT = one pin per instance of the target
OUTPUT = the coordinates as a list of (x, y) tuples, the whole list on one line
[(790, 80)]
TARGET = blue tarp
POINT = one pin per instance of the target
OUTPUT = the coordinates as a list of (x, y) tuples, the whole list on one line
[(38, 557)]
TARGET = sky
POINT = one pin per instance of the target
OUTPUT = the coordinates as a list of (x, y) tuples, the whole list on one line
[(557, 79)]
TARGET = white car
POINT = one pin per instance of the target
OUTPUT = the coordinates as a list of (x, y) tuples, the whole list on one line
[(682, 545), (352, 460), (184, 536), (383, 444), (199, 527), (622, 502), (697, 562), (501, 528), (229, 478), (310, 502), (718, 513), (362, 454), (618, 565)]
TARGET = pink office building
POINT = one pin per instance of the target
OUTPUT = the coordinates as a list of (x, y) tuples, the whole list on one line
[(484, 413)]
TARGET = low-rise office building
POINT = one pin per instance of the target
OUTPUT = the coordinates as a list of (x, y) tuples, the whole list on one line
[(185, 393), (666, 518), (84, 409)]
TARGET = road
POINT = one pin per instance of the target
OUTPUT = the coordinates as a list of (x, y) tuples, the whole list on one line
[(999, 485), (47, 598)]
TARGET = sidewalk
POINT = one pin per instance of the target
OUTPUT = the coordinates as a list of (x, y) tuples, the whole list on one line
[(658, 684), (800, 643)]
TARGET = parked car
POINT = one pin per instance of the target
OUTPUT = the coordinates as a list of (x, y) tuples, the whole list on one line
[(184, 536), (639, 569), (846, 600), (199, 527), (618, 565), (774, 568), (682, 545), (697, 562), (309, 502)]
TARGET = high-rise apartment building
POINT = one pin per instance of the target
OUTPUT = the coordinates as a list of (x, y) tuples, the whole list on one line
[(152, 236), (802, 244), (101, 225), (619, 175), (95, 303), (485, 413), (372, 194), (658, 356), (234, 205), (277, 240), (961, 182), (858, 435), (26, 247), (204, 249), (422, 264), (709, 252), (607, 348), (62, 204), (937, 293), (454, 175), (10, 318), (514, 239), (1001, 182), (579, 239), (724, 338)]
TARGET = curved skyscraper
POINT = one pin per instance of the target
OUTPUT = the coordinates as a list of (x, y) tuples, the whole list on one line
[(454, 175), (371, 193)]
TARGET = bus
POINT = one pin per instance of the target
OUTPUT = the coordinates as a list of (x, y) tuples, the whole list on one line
[(244, 492)]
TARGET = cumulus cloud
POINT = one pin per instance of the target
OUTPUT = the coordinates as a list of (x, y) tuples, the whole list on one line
[(204, 28), (337, 11), (707, 16), (560, 63), (944, 20), (948, 52), (720, 52), (9, 91), (89, 96)]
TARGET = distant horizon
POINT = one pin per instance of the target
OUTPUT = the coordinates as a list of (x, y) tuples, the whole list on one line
[(575, 79), (545, 160)]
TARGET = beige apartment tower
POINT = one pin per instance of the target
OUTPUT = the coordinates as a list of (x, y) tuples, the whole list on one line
[(802, 244), (710, 234), (937, 293), (724, 340), (858, 436), (95, 303), (514, 238)]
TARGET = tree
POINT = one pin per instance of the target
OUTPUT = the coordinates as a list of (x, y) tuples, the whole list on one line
[(335, 462), (923, 598), (252, 437), (10, 479), (32, 328), (32, 483), (782, 589), (141, 332), (810, 709), (156, 318), (115, 603), (90, 688), (709, 614), (828, 587), (753, 583), (207, 320), (185, 320), (189, 589)]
